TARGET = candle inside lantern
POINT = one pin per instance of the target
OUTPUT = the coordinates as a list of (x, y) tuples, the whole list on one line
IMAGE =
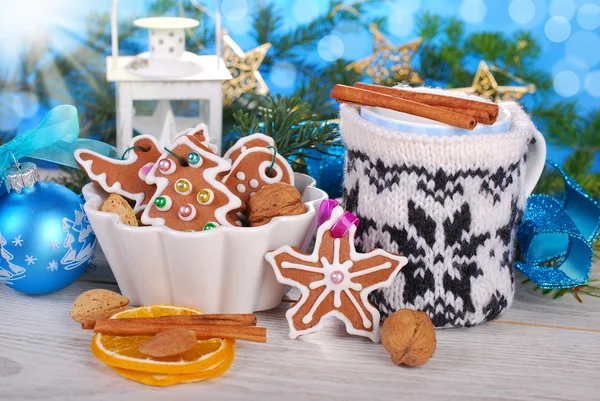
[(166, 35)]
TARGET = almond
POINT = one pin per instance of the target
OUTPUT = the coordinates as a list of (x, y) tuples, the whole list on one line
[(117, 204), (97, 304), (169, 343)]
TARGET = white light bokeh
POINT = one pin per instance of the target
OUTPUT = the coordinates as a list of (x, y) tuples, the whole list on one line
[(330, 48), (562, 8), (592, 83), (566, 83), (401, 23), (234, 10), (472, 11), (283, 74), (25, 104), (588, 16), (521, 11), (557, 29)]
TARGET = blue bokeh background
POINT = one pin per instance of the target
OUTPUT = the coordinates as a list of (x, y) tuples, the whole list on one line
[(568, 32)]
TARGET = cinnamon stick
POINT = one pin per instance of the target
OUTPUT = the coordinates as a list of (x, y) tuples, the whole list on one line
[(480, 116), (376, 99), (209, 319), (137, 327), (434, 99)]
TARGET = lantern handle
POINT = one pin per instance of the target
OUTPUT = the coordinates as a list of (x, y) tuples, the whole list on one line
[(115, 34)]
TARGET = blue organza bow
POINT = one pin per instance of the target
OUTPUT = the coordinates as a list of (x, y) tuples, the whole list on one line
[(54, 140), (556, 237)]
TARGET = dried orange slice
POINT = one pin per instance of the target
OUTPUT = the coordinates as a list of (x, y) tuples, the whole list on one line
[(154, 379), (123, 353)]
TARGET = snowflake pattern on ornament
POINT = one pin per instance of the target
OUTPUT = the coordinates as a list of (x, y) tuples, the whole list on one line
[(335, 281), (30, 260), (17, 241), (52, 266)]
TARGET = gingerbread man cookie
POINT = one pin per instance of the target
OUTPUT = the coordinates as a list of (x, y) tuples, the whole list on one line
[(335, 280), (247, 142), (188, 196), (252, 170), (124, 177)]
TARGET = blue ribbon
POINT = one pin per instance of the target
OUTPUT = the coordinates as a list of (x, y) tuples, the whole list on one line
[(54, 140), (556, 236)]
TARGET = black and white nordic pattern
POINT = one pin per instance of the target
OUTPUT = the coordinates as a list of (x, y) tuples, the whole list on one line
[(460, 265), (450, 204)]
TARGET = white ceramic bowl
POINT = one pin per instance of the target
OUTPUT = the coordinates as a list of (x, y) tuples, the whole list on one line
[(216, 271)]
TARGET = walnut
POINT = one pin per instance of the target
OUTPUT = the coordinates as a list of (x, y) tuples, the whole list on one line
[(274, 200), (409, 337)]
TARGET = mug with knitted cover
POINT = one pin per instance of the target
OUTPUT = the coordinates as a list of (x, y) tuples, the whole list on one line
[(451, 204)]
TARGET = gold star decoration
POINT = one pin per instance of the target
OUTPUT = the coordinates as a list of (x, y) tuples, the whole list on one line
[(388, 64), (485, 84), (243, 66)]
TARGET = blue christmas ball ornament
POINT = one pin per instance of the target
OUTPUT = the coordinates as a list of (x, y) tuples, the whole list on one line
[(46, 241)]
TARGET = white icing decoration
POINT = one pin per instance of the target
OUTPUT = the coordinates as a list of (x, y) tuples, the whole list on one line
[(116, 188), (240, 175), (253, 183), (252, 194), (241, 143), (240, 188), (190, 187), (168, 204), (262, 172), (268, 153), (191, 216), (212, 197), (239, 223), (209, 175), (344, 286)]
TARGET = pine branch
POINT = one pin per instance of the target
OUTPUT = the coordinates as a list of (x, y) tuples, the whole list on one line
[(291, 123)]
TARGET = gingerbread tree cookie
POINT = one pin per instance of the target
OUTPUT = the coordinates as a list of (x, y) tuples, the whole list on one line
[(188, 196), (335, 280), (254, 168), (124, 177)]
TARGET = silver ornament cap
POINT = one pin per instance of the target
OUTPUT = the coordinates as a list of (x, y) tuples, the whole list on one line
[(19, 176)]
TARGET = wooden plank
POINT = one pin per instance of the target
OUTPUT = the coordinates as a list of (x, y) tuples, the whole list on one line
[(44, 355)]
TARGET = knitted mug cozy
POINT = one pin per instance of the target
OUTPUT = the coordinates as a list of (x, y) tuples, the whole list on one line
[(451, 204)]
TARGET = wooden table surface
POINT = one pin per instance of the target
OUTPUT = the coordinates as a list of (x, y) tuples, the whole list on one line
[(524, 356)]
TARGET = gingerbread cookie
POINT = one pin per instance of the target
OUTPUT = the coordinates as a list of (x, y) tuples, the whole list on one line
[(124, 177), (247, 142), (188, 196), (252, 170), (335, 280), (200, 132)]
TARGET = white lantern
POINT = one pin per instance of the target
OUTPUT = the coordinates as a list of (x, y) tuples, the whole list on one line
[(166, 72)]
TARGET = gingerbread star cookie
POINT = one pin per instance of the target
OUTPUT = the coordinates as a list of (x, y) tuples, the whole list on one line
[(335, 280), (124, 177), (254, 168), (188, 196)]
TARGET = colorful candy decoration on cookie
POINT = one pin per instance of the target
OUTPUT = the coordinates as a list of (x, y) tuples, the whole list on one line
[(335, 280), (126, 177), (256, 167), (188, 196)]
